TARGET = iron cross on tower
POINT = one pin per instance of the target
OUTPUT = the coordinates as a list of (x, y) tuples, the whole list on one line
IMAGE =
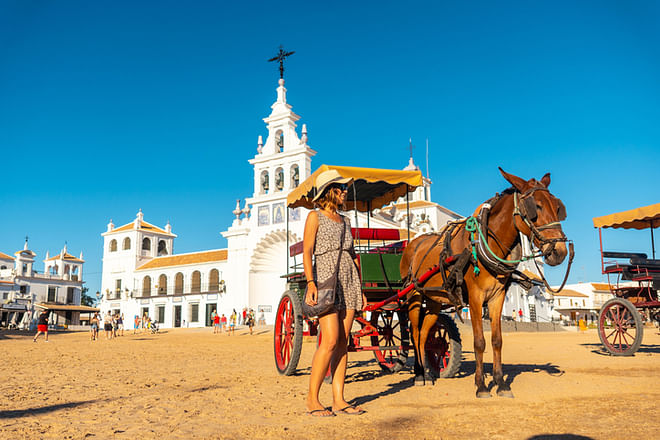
[(281, 55)]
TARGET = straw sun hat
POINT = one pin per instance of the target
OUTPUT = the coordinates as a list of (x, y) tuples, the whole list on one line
[(327, 178)]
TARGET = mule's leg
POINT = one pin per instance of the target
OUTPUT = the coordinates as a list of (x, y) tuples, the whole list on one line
[(414, 313), (495, 310), (479, 346)]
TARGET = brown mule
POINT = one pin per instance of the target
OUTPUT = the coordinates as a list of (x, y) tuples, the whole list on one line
[(526, 208)]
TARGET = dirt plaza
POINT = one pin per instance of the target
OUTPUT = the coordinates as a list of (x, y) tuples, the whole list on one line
[(189, 383)]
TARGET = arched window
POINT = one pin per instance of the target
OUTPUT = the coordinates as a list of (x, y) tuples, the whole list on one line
[(265, 183), (196, 284), (295, 176), (178, 283), (67, 269), (146, 286), (162, 285), (279, 179), (146, 244), (214, 280), (113, 245), (127, 244), (279, 141), (162, 248)]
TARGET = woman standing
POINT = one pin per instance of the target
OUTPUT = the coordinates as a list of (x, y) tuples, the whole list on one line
[(322, 238)]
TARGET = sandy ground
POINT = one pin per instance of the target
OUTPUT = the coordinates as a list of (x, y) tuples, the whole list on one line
[(190, 383)]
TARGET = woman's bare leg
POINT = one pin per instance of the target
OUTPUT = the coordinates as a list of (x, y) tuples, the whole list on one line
[(340, 360), (329, 325)]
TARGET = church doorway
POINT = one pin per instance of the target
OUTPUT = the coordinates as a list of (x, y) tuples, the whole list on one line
[(209, 309), (177, 316)]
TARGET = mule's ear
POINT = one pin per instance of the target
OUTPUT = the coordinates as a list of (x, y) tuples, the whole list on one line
[(516, 181), (546, 180)]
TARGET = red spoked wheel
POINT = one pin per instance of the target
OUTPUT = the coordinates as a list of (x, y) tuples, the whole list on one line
[(620, 327), (393, 339), (443, 348), (288, 333)]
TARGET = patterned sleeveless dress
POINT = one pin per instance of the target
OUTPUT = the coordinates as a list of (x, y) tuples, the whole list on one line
[(328, 237)]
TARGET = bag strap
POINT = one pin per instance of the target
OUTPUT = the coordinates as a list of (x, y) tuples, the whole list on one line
[(341, 249)]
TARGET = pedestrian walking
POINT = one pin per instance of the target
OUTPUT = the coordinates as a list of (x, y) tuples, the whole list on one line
[(95, 321), (107, 325), (42, 325)]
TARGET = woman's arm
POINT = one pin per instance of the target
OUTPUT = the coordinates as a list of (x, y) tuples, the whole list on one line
[(309, 239)]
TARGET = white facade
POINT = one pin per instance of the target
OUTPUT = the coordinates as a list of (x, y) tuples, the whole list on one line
[(580, 300), (23, 289), (250, 269)]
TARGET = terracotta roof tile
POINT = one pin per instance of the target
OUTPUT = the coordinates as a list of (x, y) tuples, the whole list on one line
[(144, 226), (4, 256), (184, 259), (572, 293), (67, 257)]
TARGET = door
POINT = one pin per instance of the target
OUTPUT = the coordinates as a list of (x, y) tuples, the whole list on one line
[(177, 316), (209, 309), (532, 313)]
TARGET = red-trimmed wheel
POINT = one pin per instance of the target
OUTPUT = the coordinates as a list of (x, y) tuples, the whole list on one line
[(620, 327), (443, 348), (393, 339), (288, 333)]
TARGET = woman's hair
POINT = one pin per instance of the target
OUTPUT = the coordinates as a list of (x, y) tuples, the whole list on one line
[(329, 200)]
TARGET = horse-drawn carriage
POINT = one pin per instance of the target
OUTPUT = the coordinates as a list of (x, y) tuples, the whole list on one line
[(413, 287), (383, 326), (634, 280)]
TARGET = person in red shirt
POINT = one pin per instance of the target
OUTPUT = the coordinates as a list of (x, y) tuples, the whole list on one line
[(223, 322), (216, 322), (244, 315)]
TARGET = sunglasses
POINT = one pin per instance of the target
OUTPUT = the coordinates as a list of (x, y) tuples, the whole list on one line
[(341, 186)]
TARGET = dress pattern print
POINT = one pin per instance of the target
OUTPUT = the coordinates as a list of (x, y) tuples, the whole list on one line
[(326, 246)]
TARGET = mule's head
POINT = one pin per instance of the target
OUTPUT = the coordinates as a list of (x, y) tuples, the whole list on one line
[(538, 215)]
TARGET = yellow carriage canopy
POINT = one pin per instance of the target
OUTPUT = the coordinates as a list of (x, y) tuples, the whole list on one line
[(374, 188), (638, 218)]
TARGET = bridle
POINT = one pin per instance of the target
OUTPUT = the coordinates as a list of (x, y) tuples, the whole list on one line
[(525, 208)]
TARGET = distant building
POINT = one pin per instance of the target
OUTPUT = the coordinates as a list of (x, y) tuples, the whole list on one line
[(581, 300), (24, 291)]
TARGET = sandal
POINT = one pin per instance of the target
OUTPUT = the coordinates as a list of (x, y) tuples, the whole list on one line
[(315, 413), (356, 412)]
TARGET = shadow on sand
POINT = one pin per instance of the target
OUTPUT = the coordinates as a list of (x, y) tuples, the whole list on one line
[(559, 437), (511, 371), (16, 413), (644, 348)]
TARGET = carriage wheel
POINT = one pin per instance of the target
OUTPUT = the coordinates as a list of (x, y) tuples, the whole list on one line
[(393, 339), (620, 327), (443, 348), (288, 333)]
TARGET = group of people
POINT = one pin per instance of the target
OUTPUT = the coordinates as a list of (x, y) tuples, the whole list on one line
[(112, 325), (144, 324), (247, 317)]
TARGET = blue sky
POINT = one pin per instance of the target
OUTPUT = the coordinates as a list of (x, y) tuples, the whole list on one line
[(109, 107)]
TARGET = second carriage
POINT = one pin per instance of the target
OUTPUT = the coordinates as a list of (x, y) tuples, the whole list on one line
[(383, 326)]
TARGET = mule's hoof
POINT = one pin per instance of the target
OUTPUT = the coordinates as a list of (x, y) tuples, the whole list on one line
[(419, 381), (505, 393), (483, 394)]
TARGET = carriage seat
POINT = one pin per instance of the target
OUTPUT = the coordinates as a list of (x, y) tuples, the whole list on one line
[(608, 254)]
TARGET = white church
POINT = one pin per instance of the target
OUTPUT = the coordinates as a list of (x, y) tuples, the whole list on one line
[(142, 274)]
